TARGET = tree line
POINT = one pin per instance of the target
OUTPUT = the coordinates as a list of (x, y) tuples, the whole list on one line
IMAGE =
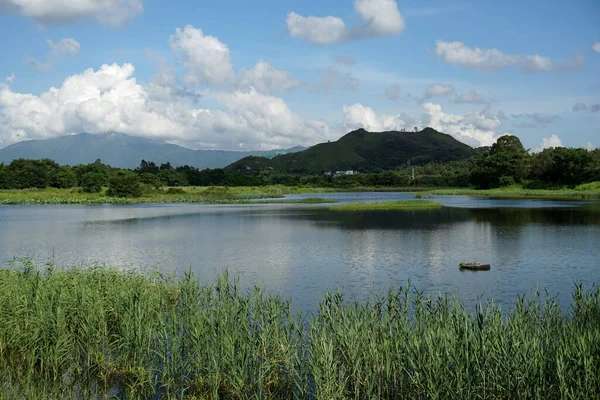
[(505, 163)]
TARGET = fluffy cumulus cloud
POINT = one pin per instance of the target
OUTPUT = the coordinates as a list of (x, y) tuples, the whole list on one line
[(266, 79), (438, 90), (460, 54), (476, 129), (393, 92), (207, 59), (110, 99), (50, 12), (318, 30), (58, 50), (380, 18), (552, 141), (359, 116), (596, 47), (589, 146)]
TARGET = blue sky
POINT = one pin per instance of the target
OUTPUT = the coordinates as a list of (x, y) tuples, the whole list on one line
[(248, 75)]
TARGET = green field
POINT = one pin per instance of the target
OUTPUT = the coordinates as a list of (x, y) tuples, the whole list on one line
[(97, 332), (387, 205)]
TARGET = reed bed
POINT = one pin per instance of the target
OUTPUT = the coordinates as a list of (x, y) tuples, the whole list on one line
[(92, 332), (387, 205), (582, 192)]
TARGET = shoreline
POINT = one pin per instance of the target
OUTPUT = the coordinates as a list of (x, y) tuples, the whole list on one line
[(254, 194)]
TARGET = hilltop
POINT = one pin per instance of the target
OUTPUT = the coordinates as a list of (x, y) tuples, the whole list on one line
[(123, 151), (364, 151)]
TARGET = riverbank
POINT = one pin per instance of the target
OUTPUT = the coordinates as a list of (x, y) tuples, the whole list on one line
[(188, 194), (253, 194), (582, 192), (89, 332)]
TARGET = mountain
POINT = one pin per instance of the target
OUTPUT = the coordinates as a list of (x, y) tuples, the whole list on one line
[(123, 151), (364, 152)]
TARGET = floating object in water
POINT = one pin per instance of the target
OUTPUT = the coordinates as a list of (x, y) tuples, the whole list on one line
[(474, 266)]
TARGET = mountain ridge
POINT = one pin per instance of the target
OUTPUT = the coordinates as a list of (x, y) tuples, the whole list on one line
[(123, 151)]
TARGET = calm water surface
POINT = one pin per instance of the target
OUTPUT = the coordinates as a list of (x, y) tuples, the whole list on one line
[(302, 251)]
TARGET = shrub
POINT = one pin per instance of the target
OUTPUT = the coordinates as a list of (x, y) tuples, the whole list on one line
[(124, 184), (92, 182)]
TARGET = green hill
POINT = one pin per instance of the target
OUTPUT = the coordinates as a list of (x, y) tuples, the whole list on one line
[(364, 152)]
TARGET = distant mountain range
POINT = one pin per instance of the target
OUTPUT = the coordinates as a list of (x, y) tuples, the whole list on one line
[(124, 151), (364, 151)]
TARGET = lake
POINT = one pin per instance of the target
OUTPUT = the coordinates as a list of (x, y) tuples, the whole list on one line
[(301, 251)]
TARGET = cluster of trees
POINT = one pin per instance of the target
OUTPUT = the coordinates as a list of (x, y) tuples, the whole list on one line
[(505, 163)]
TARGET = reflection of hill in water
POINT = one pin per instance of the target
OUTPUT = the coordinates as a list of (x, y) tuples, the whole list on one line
[(429, 219)]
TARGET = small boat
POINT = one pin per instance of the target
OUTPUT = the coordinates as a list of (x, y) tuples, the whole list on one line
[(474, 266)]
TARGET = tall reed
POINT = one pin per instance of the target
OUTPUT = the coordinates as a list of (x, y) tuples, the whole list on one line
[(92, 332)]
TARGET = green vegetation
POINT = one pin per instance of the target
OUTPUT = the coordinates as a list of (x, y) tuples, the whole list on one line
[(387, 205), (364, 151), (100, 332), (388, 161), (589, 191), (207, 195)]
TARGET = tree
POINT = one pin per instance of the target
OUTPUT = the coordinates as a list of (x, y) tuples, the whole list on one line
[(92, 182), (65, 178), (124, 184), (507, 163)]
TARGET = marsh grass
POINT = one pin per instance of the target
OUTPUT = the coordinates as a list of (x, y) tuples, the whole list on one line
[(206, 195), (387, 206), (582, 192), (93, 332)]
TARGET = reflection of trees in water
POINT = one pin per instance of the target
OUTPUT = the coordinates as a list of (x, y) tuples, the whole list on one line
[(526, 216), (401, 219), (431, 219)]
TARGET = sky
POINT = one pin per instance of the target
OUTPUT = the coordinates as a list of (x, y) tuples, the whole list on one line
[(248, 75)]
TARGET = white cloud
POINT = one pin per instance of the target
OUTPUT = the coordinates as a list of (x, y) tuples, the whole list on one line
[(319, 30), (10, 79), (207, 59), (460, 54), (438, 90), (589, 146), (552, 141), (58, 50), (472, 129), (471, 97), (393, 92), (596, 47), (49, 12), (266, 79), (579, 107), (381, 18), (358, 116), (110, 99)]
